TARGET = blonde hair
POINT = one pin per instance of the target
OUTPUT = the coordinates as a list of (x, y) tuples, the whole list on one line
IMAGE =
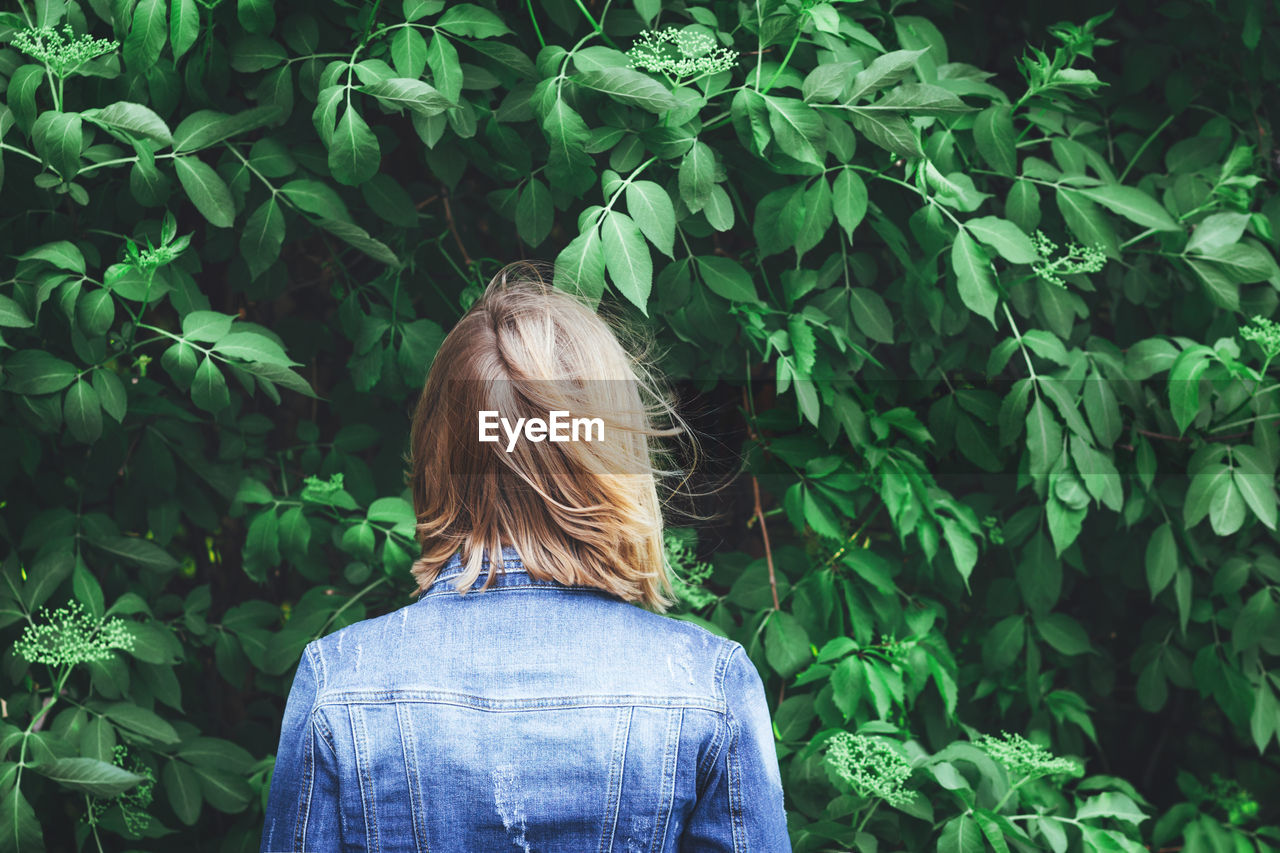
[(577, 512)]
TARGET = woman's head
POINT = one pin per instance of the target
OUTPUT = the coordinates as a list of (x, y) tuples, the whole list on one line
[(534, 430)]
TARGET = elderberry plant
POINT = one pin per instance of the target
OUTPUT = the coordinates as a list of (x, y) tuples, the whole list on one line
[(134, 802), (1078, 259), (1265, 333), (61, 51), (871, 767), (680, 55), (1026, 760), (688, 573), (69, 636)]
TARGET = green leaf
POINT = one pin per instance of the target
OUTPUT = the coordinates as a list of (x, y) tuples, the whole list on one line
[(1161, 559), (1102, 409), (88, 775), (1111, 804), (63, 254), (409, 56), (141, 721), (534, 212), (871, 314), (37, 372), (446, 70), (921, 99), (466, 19), (1087, 222), (726, 278), (973, 276), (111, 393), (204, 128), (964, 551), (390, 200), (95, 312), (993, 134), (262, 237), (955, 189), (883, 72), (1184, 384), (1266, 711), (1254, 621), (1044, 438), (960, 835), (849, 200), (786, 644), (697, 176), (798, 129), (1063, 633), (262, 544), (579, 268), (83, 413), (184, 26), (207, 191), (359, 238), (207, 326), (217, 754), (651, 208), (848, 684), (134, 120), (1226, 507), (1204, 484), (1220, 287), (826, 81), (1009, 241), (989, 823), (138, 551), (402, 92), (256, 16), (209, 387), (626, 257), (1217, 231), (1133, 204), (891, 132), (1255, 477), (628, 86), (253, 346), (182, 787), (354, 155), (22, 832), (252, 53), (148, 32), (58, 137), (295, 530), (98, 739)]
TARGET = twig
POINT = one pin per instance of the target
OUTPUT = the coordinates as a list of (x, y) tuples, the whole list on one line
[(768, 552), (453, 229), (1185, 438)]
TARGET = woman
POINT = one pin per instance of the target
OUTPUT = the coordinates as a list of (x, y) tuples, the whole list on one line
[(527, 703)]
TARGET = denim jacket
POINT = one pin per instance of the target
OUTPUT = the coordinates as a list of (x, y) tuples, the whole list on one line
[(532, 717)]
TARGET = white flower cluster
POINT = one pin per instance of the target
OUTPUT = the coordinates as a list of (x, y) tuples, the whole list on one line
[(680, 53)]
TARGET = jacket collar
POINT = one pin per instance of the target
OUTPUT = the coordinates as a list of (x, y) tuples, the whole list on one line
[(512, 573)]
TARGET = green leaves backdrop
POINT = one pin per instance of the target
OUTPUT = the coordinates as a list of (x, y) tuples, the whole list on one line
[(986, 302)]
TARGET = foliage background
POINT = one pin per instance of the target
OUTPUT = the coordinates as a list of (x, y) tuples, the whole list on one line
[(1010, 482)]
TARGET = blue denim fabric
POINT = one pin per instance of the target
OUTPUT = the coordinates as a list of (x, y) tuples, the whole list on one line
[(530, 717)]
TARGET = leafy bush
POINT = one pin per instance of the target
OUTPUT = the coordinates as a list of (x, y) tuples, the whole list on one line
[(997, 344)]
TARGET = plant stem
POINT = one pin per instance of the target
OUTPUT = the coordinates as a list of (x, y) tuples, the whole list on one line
[(785, 60), (537, 31), (1143, 147)]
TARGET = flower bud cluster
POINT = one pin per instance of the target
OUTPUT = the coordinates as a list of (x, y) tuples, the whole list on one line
[(69, 636)]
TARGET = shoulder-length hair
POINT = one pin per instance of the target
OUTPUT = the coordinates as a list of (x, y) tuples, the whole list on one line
[(580, 511)]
